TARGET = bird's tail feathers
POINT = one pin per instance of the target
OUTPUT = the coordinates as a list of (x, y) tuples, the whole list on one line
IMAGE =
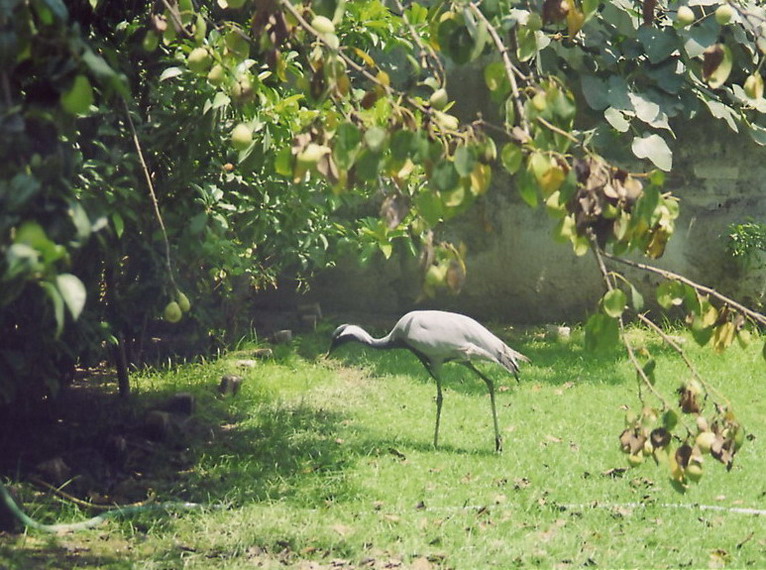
[(510, 359)]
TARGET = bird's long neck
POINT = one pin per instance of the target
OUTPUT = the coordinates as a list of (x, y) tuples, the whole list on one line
[(364, 337)]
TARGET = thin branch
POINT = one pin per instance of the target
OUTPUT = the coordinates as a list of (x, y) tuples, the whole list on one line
[(754, 315), (680, 351), (287, 5), (628, 347), (510, 69), (551, 127), (153, 195), (424, 49)]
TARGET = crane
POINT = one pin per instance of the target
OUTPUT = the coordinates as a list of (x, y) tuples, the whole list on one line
[(436, 337)]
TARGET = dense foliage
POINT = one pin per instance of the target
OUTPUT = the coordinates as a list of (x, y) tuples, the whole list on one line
[(158, 152)]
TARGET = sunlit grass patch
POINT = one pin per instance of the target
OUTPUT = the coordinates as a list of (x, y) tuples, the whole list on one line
[(330, 461)]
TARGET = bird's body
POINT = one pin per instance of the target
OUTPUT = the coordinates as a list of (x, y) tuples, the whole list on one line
[(437, 337)]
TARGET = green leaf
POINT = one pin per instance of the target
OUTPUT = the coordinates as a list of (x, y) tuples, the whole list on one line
[(118, 223), (601, 333), (170, 73), (465, 160), (444, 176), (511, 156), (614, 303), (347, 141), (655, 149), (496, 79), (58, 8), (595, 91), (636, 299), (375, 138), (430, 207), (527, 186), (20, 258), (58, 305), (73, 292), (283, 162), (670, 294), (757, 133), (659, 43)]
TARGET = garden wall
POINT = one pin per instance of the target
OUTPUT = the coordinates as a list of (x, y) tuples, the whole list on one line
[(517, 273)]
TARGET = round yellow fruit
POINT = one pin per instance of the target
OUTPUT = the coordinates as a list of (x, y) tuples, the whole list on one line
[(684, 16), (172, 312), (323, 25), (705, 441), (310, 155), (723, 14), (199, 60), (241, 137), (242, 90), (216, 75), (439, 99), (634, 460), (754, 89), (79, 97), (183, 302), (693, 471)]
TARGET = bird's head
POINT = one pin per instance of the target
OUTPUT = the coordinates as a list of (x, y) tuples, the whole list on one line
[(345, 333)]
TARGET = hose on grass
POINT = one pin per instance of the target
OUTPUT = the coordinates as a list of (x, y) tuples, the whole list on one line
[(61, 528)]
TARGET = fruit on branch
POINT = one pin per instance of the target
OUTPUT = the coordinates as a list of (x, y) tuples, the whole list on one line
[(705, 441), (323, 25), (693, 471), (241, 137), (242, 90), (172, 312), (723, 14), (439, 99), (199, 60), (754, 86), (183, 301), (684, 16), (216, 75), (311, 155)]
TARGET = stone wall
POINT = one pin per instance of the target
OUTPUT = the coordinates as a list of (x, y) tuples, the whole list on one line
[(517, 273)]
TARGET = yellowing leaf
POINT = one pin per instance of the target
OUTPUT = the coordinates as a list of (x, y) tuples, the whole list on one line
[(552, 180), (480, 178), (365, 57), (724, 336), (575, 18), (716, 65)]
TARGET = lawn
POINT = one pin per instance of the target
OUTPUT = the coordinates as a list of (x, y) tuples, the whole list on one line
[(328, 463)]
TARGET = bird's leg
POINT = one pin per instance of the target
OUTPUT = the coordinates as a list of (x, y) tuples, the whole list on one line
[(491, 388), (439, 399)]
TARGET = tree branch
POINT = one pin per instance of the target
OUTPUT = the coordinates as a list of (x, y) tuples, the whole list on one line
[(754, 315), (628, 347), (153, 196), (510, 69)]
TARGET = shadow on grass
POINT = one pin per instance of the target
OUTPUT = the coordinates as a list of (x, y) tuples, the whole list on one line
[(54, 557), (232, 451)]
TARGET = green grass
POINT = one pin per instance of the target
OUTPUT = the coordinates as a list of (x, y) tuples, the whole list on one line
[(330, 462)]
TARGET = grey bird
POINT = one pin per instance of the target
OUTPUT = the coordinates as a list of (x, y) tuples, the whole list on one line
[(436, 337)]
